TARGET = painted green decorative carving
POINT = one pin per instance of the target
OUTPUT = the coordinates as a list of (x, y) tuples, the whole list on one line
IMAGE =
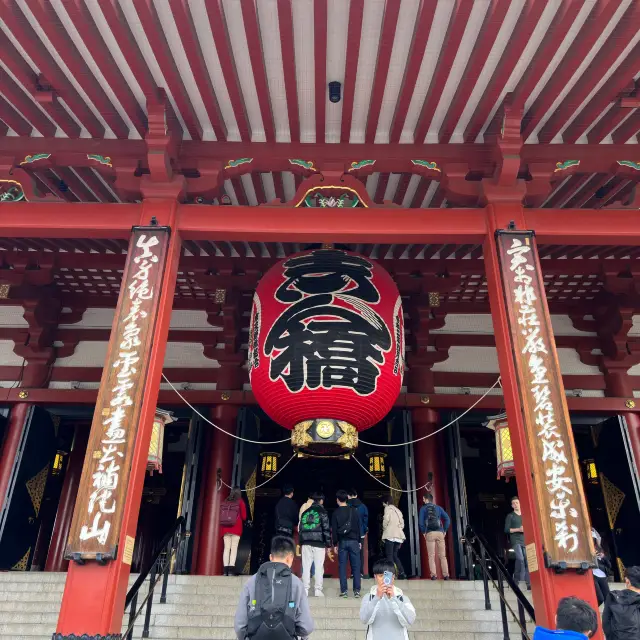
[(101, 159), (629, 163), (35, 157), (308, 165), (11, 191), (344, 201), (232, 164), (361, 165), (567, 164), (427, 164)]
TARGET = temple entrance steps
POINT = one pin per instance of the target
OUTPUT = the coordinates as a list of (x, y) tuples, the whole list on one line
[(203, 607)]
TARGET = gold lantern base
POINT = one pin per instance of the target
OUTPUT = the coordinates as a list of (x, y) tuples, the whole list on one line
[(324, 437)]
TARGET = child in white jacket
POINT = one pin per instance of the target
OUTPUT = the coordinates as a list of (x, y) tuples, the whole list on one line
[(386, 611)]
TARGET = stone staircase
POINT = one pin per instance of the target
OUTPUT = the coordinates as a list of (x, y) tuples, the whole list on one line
[(203, 607)]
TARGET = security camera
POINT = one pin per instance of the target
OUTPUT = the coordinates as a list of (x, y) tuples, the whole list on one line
[(335, 89)]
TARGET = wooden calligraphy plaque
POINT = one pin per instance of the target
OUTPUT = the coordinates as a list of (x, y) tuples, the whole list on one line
[(559, 495), (97, 518)]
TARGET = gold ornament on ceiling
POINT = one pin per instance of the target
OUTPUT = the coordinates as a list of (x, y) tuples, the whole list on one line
[(250, 488), (36, 487), (613, 499)]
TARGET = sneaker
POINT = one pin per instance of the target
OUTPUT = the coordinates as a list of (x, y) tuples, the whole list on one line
[(306, 591), (319, 594), (434, 577), (446, 577), (356, 594), (344, 594)]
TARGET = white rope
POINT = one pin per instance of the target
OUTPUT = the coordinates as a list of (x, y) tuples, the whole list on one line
[(446, 426), (424, 486), (233, 435), (267, 481)]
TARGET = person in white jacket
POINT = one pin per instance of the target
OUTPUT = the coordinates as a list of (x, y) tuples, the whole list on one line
[(386, 611)]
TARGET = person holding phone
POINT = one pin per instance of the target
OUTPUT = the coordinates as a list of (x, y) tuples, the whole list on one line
[(386, 611)]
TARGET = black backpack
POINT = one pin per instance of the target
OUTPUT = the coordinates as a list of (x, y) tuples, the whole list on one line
[(311, 521), (433, 522), (350, 524), (272, 614)]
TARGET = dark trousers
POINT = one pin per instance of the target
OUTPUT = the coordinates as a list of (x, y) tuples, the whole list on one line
[(522, 567), (349, 550), (362, 556), (602, 589), (391, 550)]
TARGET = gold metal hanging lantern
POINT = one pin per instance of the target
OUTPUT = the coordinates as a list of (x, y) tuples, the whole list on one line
[(269, 464), (160, 421), (591, 471), (504, 450), (377, 464)]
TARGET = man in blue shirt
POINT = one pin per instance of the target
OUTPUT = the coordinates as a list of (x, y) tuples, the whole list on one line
[(575, 620), (434, 523)]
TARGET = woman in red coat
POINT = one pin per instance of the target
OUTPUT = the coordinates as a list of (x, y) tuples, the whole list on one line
[(233, 513)]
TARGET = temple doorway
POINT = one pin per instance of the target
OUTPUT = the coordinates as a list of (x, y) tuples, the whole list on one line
[(327, 475)]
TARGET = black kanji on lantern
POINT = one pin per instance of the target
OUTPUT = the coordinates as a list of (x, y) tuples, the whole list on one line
[(327, 271), (328, 336)]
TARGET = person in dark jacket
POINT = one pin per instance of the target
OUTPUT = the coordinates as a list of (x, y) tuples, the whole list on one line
[(286, 513), (513, 527), (363, 512), (621, 616), (314, 534), (345, 533), (433, 522), (602, 569)]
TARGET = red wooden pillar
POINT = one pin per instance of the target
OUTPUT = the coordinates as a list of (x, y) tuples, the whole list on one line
[(15, 427), (55, 557), (209, 559), (548, 587), (94, 594), (619, 386), (429, 469)]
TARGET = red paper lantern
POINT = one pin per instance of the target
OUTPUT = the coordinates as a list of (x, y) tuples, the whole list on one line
[(326, 340)]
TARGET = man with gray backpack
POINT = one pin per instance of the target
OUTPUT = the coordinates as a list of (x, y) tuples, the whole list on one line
[(434, 523), (273, 604)]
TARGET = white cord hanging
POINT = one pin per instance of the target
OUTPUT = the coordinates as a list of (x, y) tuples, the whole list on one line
[(267, 481), (446, 426), (424, 486), (233, 435)]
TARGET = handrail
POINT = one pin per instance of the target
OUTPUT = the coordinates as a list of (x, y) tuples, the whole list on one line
[(481, 554), (158, 568)]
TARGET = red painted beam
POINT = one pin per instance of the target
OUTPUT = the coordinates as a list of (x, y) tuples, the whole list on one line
[(284, 224), (414, 62), (25, 106), (560, 25), (83, 22), (191, 45), (15, 20), (421, 192), (119, 26), (218, 25), (588, 193), (285, 21), (608, 93), (486, 38), (279, 185), (53, 220), (12, 118), (609, 121), (256, 179), (401, 190), (254, 43), (385, 47), (356, 12), (52, 181), (241, 196), (381, 188), (629, 128), (50, 23), (510, 57), (320, 17), (169, 398), (452, 39), (610, 51), (567, 191), (584, 226), (597, 22), (162, 51)]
